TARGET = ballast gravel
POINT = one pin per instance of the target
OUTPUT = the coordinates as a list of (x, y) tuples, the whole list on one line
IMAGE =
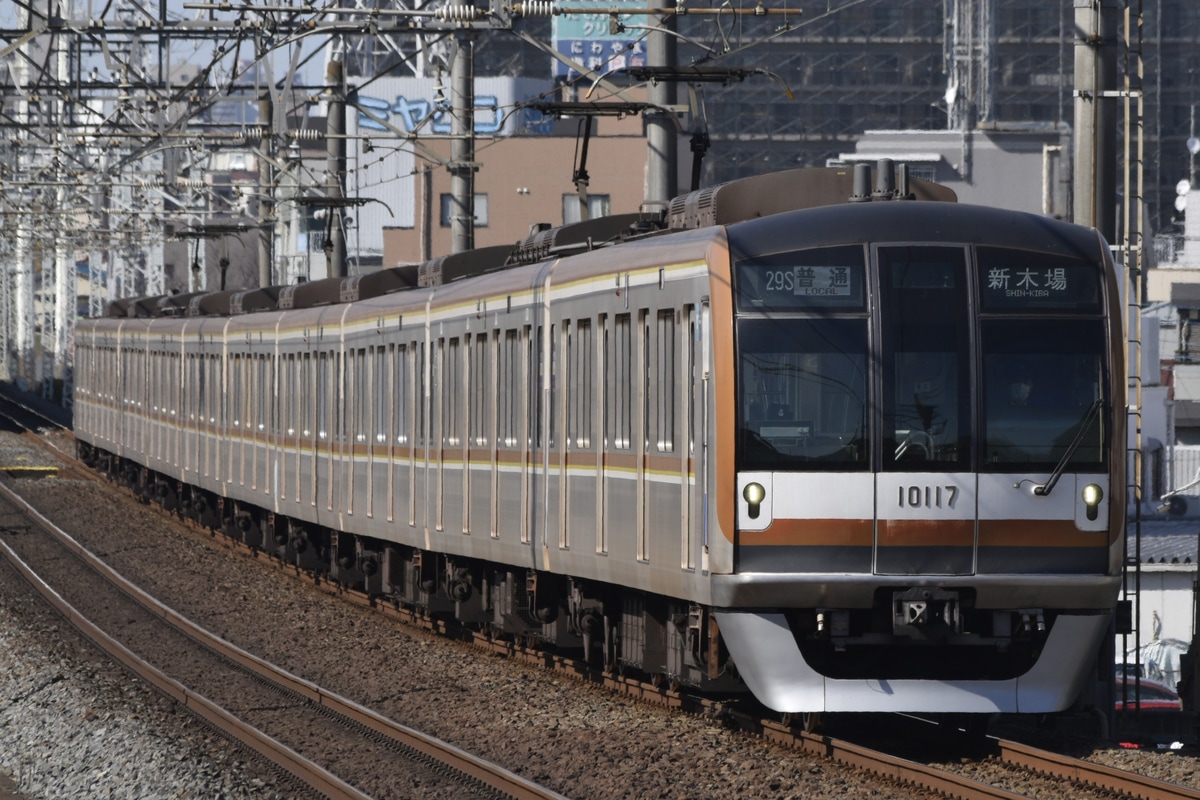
[(73, 725)]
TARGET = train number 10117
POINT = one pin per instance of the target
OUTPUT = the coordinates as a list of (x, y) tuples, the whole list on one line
[(927, 496)]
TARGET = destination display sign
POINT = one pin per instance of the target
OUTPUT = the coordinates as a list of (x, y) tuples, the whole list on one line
[(831, 277), (1020, 280)]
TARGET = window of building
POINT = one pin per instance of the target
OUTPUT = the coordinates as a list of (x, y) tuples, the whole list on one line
[(481, 210), (598, 206)]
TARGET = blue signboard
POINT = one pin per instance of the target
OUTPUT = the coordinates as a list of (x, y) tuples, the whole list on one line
[(588, 40)]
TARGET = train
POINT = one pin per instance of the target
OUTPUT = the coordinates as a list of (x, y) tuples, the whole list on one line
[(827, 436)]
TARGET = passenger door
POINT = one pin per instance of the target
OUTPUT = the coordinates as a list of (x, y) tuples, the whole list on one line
[(925, 493)]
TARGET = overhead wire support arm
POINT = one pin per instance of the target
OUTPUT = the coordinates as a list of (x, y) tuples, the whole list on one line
[(598, 108), (580, 175), (544, 8), (701, 74)]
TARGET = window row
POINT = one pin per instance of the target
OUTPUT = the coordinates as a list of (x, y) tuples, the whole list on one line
[(612, 378)]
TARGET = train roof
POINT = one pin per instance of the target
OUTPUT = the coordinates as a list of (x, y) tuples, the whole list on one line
[(730, 203), (794, 190), (914, 222)]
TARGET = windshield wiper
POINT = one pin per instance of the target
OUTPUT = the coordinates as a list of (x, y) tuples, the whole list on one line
[(1048, 486)]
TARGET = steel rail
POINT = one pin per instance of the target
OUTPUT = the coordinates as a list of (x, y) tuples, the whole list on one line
[(279, 754), (1098, 775), (898, 769), (485, 772)]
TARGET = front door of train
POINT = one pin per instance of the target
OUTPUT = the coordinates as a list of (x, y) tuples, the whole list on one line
[(925, 491)]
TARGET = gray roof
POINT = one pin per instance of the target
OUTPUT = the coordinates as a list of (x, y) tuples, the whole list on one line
[(1186, 295), (1165, 541)]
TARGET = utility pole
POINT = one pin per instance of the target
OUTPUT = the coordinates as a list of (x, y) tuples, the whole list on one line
[(662, 181), (23, 255), (335, 189), (266, 188), (1095, 202), (462, 143)]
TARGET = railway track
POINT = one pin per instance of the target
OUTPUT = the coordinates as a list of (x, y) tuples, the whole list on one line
[(1048, 773), (1053, 773), (1121, 782), (339, 748)]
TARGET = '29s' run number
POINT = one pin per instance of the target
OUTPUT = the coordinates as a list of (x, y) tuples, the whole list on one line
[(927, 496), (781, 280)]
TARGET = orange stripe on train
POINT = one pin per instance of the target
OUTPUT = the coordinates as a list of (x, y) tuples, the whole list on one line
[(926, 533), (812, 532), (1037, 533), (922, 533)]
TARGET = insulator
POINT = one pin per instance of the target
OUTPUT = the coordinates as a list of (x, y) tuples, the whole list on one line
[(457, 13), (152, 182), (305, 135), (539, 8)]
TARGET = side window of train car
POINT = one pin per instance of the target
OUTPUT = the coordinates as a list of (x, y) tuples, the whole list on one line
[(217, 387), (190, 399), (578, 382), (480, 390), (620, 384), (153, 385), (307, 409), (322, 394), (666, 390), (359, 390), (537, 369), (270, 417), (532, 390), (249, 400), (341, 384), (452, 394), (508, 396), (553, 378), (401, 397), (644, 356), (164, 370), (235, 391), (691, 344), (379, 395), (421, 384), (289, 398), (266, 391)]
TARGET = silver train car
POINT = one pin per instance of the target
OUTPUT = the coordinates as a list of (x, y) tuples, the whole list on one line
[(852, 456)]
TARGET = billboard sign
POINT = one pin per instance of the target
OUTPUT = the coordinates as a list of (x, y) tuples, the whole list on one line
[(588, 39)]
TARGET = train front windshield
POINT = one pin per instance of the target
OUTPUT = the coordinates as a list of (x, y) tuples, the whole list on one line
[(831, 382)]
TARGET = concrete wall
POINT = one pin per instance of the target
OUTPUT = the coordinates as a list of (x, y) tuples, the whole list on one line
[(1166, 604), (1026, 168), (524, 179)]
